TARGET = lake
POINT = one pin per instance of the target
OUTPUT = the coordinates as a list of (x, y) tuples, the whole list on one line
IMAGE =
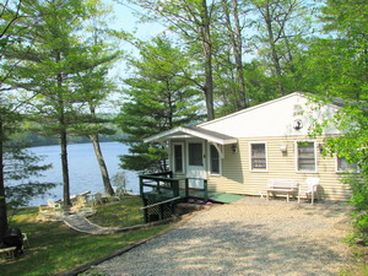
[(84, 172)]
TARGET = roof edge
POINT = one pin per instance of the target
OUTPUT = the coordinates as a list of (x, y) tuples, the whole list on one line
[(297, 93)]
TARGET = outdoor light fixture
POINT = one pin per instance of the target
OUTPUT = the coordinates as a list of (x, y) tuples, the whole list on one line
[(298, 124), (283, 148), (320, 147), (234, 148)]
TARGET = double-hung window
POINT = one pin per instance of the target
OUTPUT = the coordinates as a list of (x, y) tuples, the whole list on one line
[(306, 157), (258, 156)]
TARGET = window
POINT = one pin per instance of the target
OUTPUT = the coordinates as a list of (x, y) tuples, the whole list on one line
[(258, 156), (195, 154), (344, 166), (178, 158), (306, 156), (214, 161)]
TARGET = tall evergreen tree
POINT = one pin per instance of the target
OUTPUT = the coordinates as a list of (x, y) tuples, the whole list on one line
[(157, 98), (193, 21), (51, 67)]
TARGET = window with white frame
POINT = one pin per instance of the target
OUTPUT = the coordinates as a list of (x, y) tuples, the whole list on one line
[(344, 166), (258, 156), (178, 158), (214, 160), (306, 156)]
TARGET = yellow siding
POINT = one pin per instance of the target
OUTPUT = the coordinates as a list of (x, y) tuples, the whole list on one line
[(237, 177)]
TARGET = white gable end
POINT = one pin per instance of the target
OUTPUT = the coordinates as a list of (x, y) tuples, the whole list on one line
[(274, 118)]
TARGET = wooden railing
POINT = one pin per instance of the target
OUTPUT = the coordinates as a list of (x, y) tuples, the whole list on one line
[(159, 182), (165, 192)]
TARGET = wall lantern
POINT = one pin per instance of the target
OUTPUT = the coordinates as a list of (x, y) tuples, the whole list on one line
[(320, 147), (283, 148), (234, 148)]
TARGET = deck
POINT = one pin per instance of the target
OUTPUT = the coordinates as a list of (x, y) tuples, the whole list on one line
[(163, 188)]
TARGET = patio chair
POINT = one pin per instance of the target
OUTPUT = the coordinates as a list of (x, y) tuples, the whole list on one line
[(312, 188)]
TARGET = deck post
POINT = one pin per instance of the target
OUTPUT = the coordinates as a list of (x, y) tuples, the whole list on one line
[(145, 211), (158, 186), (175, 186), (205, 186), (186, 187), (141, 185)]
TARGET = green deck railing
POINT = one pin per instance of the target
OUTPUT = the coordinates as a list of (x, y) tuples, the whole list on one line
[(165, 191)]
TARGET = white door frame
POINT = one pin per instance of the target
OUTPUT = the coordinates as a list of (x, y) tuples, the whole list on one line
[(196, 171)]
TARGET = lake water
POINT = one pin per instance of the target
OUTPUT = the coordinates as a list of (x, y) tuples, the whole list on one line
[(84, 172)]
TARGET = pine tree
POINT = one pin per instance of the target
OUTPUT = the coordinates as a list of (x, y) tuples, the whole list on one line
[(50, 67), (157, 98)]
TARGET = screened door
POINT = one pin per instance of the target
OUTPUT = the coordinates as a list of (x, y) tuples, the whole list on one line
[(195, 168)]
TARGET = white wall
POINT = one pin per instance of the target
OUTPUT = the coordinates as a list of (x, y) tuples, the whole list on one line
[(274, 118)]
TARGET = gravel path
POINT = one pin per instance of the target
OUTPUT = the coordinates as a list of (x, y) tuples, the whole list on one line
[(248, 237)]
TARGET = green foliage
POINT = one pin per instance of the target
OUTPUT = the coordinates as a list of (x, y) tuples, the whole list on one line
[(158, 97), (22, 171), (49, 243), (336, 67)]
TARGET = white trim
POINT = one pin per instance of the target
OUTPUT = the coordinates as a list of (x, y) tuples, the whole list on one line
[(204, 156), (315, 155), (250, 156), (209, 159), (182, 157), (203, 152), (196, 134)]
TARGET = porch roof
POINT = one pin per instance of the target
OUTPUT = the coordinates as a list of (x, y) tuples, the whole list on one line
[(190, 132)]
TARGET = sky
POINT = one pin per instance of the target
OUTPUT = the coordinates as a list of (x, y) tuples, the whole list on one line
[(126, 18)]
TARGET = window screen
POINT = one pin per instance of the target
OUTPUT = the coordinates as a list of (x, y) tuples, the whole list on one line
[(178, 158), (259, 161), (306, 156), (215, 160), (195, 154)]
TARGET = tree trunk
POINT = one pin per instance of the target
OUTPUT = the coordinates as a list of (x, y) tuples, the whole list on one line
[(100, 159), (101, 162), (235, 36), (274, 54), (3, 213), (63, 138), (65, 168), (207, 51)]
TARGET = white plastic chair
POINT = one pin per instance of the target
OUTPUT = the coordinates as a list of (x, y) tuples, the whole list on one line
[(312, 184)]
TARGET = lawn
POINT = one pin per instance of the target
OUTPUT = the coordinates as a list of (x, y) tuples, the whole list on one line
[(55, 248), (120, 213)]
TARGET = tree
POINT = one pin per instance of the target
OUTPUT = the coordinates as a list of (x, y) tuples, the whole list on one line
[(97, 87), (9, 14), (283, 26), (234, 29), (337, 69), (192, 20), (52, 65), (157, 98)]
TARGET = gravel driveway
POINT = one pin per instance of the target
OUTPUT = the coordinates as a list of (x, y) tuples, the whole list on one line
[(248, 237)]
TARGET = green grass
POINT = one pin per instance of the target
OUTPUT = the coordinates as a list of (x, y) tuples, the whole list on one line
[(120, 213), (55, 248)]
